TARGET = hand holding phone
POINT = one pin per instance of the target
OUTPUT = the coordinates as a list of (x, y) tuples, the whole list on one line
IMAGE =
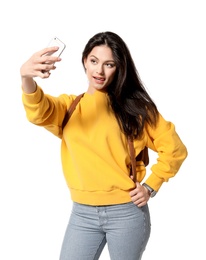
[(56, 42)]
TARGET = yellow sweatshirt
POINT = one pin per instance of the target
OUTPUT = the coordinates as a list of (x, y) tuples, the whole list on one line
[(94, 152)]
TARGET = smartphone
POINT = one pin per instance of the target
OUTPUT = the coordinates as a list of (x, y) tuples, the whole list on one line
[(56, 42)]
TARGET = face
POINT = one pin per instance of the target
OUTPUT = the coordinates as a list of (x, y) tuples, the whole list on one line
[(100, 68)]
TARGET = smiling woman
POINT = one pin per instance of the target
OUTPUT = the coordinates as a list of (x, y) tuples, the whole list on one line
[(100, 68), (108, 206)]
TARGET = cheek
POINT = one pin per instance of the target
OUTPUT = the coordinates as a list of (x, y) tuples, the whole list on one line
[(112, 75), (89, 69)]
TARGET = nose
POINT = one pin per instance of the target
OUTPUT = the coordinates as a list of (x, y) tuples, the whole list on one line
[(100, 70)]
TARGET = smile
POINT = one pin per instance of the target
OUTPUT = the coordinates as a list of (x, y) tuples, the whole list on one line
[(100, 79)]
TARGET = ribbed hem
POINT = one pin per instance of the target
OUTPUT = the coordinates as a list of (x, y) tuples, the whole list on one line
[(98, 198), (154, 179), (33, 97)]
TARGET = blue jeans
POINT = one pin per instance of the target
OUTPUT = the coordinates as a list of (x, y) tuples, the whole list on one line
[(124, 227)]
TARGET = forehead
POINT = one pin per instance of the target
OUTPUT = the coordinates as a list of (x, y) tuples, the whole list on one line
[(102, 52)]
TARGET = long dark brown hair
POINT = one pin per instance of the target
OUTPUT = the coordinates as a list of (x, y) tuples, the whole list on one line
[(131, 103)]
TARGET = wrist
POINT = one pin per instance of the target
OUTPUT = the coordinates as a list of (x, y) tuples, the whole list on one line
[(28, 85), (151, 191), (147, 191)]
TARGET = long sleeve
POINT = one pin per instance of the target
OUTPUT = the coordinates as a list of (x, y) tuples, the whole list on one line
[(171, 152), (45, 110)]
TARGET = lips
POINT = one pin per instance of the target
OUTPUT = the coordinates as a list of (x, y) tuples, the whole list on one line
[(99, 79)]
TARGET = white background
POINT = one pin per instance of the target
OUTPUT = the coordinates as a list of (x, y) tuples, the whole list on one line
[(167, 41)]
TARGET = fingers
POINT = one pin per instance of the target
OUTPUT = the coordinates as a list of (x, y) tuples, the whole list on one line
[(45, 74), (47, 62), (48, 51), (46, 67), (48, 59), (139, 196), (39, 64)]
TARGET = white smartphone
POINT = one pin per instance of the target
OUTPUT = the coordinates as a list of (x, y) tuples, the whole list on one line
[(56, 42)]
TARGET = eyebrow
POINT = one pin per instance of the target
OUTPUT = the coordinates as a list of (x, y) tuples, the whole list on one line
[(98, 59)]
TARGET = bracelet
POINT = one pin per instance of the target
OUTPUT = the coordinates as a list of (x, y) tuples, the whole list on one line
[(152, 192)]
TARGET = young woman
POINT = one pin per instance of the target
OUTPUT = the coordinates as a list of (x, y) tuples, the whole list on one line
[(108, 207)]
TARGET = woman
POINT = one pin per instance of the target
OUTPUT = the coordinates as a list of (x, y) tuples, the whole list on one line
[(108, 207)]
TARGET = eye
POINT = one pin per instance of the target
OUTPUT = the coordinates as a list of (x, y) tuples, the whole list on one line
[(110, 65), (93, 61)]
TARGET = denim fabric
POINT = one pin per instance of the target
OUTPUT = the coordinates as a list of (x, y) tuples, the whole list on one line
[(124, 227)]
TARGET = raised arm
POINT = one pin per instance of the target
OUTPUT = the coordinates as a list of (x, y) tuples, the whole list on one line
[(38, 65)]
